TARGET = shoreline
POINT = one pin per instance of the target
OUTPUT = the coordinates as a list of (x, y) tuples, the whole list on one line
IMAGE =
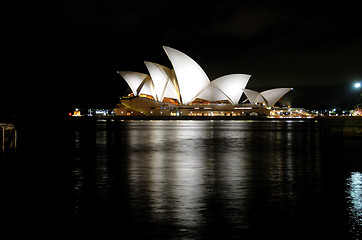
[(187, 118), (332, 126)]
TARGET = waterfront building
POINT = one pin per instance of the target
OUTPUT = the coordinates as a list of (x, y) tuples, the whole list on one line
[(356, 112), (288, 112), (186, 90)]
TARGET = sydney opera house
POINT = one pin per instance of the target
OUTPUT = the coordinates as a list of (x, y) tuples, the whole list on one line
[(186, 90)]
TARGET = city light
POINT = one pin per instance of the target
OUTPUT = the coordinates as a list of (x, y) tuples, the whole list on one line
[(357, 85)]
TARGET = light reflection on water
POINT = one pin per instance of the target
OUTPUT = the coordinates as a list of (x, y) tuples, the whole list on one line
[(354, 197), (206, 179)]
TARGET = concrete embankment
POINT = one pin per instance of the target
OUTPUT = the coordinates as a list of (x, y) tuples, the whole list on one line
[(341, 126)]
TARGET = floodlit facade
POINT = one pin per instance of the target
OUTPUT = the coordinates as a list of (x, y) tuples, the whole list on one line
[(187, 90)]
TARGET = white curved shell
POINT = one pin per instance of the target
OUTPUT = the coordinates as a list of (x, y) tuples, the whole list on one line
[(188, 81), (232, 85), (192, 80), (133, 79), (212, 93), (159, 78), (273, 95), (170, 91), (147, 87), (253, 96)]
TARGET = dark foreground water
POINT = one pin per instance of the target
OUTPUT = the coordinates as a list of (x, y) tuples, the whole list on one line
[(182, 180)]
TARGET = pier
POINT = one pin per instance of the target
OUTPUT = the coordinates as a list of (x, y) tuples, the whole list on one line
[(7, 137)]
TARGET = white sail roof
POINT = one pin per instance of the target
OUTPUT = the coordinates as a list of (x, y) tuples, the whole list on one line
[(133, 79), (159, 78), (269, 97), (253, 96), (147, 87), (232, 85), (192, 80), (170, 91), (212, 93), (187, 81), (273, 95)]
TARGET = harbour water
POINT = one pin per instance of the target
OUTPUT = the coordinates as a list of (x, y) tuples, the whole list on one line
[(187, 179)]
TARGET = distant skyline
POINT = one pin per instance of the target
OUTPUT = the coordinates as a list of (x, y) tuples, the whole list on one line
[(75, 48)]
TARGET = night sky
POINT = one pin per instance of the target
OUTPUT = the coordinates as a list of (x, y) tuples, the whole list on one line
[(66, 53)]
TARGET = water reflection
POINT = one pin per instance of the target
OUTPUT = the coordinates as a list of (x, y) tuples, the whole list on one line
[(203, 179), (354, 199), (167, 173), (181, 170)]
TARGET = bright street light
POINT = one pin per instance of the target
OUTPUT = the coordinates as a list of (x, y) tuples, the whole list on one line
[(357, 85)]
